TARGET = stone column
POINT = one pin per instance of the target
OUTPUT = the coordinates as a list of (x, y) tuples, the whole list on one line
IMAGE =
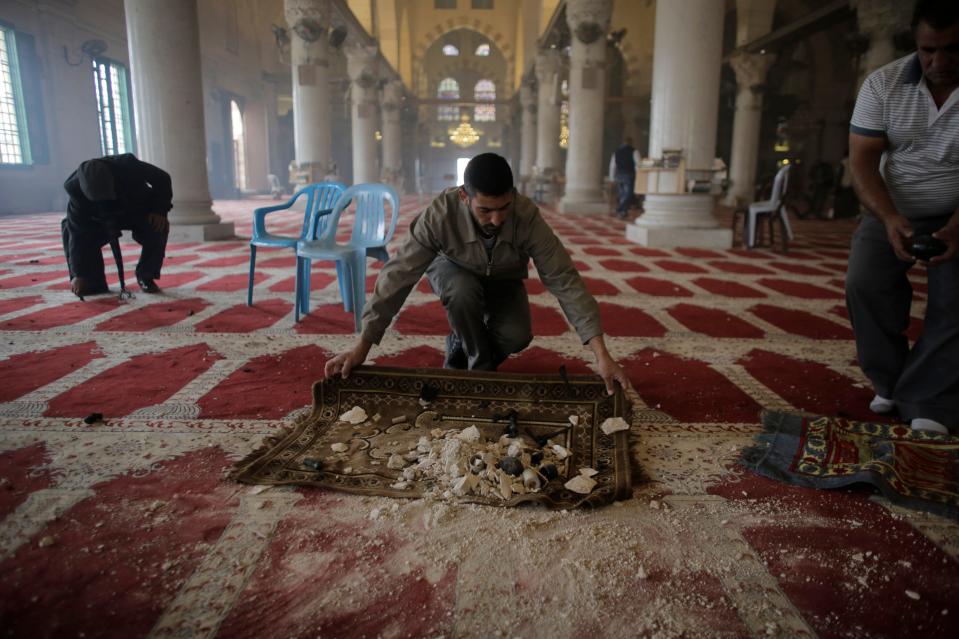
[(549, 67), (310, 61), (750, 69), (527, 100), (588, 22), (169, 110), (361, 67), (879, 21), (688, 45), (391, 104)]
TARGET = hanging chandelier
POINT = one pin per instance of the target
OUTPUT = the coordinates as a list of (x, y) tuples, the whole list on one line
[(464, 135)]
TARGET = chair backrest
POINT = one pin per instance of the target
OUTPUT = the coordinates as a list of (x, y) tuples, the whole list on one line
[(320, 197), (371, 226), (780, 184)]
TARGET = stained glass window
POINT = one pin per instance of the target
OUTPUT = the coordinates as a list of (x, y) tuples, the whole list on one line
[(484, 91), (450, 50), (449, 89), (482, 50)]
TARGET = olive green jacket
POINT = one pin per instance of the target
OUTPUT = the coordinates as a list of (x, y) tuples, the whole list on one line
[(446, 228)]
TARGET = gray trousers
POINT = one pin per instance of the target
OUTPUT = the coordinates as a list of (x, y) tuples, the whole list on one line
[(489, 316), (923, 380)]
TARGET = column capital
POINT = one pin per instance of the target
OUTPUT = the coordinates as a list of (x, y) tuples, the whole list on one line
[(549, 63), (361, 63), (392, 95), (750, 68), (589, 19), (881, 17), (527, 96), (307, 19)]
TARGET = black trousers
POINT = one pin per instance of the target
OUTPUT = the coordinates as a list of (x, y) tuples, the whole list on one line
[(83, 249), (490, 316), (922, 379)]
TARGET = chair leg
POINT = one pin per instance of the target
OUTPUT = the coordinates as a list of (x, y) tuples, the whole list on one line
[(357, 268), (343, 278), (249, 285), (298, 291), (303, 268), (750, 239)]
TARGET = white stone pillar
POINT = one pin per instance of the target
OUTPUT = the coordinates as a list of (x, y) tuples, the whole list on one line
[(880, 20), (527, 100), (392, 103), (549, 68), (750, 69), (169, 110), (361, 66), (310, 61), (687, 55), (588, 22)]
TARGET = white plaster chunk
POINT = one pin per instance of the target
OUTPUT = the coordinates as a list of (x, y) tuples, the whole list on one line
[(515, 449), (561, 453), (355, 415), (465, 484), (574, 420), (339, 447), (470, 435), (581, 484), (396, 462), (588, 472), (614, 425)]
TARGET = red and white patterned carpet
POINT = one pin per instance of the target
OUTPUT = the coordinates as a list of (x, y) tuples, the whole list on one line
[(129, 528)]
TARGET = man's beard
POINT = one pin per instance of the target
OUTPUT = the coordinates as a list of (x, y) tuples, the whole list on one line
[(489, 230)]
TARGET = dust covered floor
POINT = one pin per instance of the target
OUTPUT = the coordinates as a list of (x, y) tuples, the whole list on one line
[(128, 528)]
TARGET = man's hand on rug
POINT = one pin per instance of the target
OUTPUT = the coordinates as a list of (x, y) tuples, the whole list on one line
[(346, 362), (607, 367)]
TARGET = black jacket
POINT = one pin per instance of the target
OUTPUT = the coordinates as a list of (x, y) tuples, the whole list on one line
[(141, 189)]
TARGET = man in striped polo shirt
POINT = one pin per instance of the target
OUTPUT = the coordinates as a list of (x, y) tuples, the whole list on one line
[(904, 157)]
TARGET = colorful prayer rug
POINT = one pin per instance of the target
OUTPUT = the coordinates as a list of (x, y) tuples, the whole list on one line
[(543, 404), (915, 469)]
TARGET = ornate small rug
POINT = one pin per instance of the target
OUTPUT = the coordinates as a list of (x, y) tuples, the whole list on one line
[(916, 469), (406, 408)]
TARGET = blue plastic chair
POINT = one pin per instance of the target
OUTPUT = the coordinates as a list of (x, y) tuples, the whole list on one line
[(319, 204), (372, 230)]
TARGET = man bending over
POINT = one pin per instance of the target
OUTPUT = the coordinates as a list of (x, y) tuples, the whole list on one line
[(474, 244)]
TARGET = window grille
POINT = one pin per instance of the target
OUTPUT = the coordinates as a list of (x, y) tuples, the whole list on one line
[(113, 107), (14, 146)]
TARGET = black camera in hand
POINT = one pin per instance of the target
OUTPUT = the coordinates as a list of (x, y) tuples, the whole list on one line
[(926, 247)]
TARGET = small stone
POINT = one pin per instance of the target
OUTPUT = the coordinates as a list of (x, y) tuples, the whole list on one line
[(574, 420), (531, 480), (339, 447), (654, 504), (400, 485), (396, 462), (437, 433), (45, 541), (511, 466), (399, 419), (515, 449), (912, 594), (355, 415), (589, 472), (409, 473), (377, 418), (347, 470), (641, 573), (561, 453), (613, 425), (581, 484), (465, 484)]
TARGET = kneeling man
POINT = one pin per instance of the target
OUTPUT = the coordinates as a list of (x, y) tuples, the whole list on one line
[(474, 244)]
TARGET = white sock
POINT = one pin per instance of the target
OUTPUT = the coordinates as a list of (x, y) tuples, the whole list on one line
[(880, 404), (930, 425)]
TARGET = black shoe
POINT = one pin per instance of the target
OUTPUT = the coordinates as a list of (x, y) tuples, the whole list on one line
[(455, 355), (147, 285)]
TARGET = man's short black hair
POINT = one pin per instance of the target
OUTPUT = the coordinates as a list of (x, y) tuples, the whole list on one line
[(489, 174), (938, 14)]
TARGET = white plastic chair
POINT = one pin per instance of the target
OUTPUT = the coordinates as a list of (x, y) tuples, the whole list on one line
[(773, 207)]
